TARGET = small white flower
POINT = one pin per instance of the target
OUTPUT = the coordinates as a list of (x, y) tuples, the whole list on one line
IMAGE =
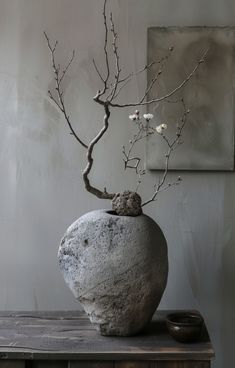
[(160, 128), (133, 117), (148, 116)]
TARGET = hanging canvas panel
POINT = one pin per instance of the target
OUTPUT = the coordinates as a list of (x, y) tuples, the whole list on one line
[(207, 141)]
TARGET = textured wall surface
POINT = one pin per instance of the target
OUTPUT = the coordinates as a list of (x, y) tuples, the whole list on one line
[(40, 163), (209, 96)]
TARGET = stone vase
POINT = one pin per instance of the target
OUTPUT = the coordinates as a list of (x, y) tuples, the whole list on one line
[(117, 267)]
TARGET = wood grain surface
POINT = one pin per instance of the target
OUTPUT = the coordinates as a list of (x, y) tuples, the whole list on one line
[(52, 339)]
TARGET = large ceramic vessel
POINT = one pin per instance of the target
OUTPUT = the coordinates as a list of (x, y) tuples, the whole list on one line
[(117, 267)]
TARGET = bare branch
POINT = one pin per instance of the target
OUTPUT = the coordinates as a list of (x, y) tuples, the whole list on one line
[(169, 94), (112, 85), (170, 185), (60, 104), (171, 147), (115, 51), (98, 193), (146, 67), (58, 79), (106, 79), (133, 162), (121, 88), (97, 71), (156, 78), (66, 68), (124, 81), (53, 99)]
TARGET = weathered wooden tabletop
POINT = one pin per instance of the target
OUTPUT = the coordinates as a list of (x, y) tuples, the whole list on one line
[(70, 336)]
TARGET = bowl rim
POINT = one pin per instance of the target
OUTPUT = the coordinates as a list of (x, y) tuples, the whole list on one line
[(196, 319)]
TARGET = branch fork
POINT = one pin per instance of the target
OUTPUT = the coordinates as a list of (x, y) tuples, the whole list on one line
[(112, 86)]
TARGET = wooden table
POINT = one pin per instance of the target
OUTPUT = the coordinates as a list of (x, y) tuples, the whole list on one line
[(67, 339)]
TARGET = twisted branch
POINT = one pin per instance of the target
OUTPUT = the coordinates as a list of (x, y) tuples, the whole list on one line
[(90, 147), (113, 90), (98, 193)]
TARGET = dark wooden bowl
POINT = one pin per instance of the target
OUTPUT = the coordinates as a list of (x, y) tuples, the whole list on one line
[(185, 327)]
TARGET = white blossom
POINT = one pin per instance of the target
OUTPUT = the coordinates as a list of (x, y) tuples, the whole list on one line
[(148, 116), (160, 128), (133, 117)]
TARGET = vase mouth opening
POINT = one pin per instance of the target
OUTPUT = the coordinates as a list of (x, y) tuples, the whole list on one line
[(114, 213)]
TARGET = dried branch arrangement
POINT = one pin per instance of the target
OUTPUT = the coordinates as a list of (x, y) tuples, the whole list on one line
[(128, 202)]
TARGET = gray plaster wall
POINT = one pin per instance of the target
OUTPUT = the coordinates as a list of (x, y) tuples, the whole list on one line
[(41, 191)]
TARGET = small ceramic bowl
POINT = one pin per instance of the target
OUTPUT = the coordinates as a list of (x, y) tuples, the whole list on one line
[(185, 327)]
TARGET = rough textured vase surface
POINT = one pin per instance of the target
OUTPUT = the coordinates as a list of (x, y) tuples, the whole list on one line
[(117, 267)]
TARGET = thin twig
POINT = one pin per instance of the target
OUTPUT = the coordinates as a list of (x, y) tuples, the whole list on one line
[(107, 102), (116, 56), (128, 78), (58, 79), (66, 68), (171, 147), (105, 82), (60, 104), (156, 78), (145, 68), (133, 162), (169, 94), (97, 71)]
